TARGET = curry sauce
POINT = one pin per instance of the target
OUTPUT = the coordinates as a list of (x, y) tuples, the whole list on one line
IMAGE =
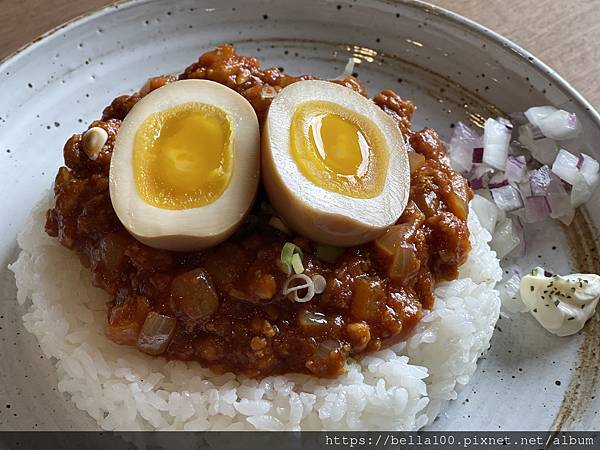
[(241, 322)]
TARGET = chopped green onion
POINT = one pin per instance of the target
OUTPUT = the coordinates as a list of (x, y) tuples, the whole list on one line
[(285, 267), (288, 251), (278, 224), (286, 259), (297, 263), (328, 253)]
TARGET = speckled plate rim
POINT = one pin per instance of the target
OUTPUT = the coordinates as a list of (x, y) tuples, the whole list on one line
[(570, 406), (448, 15)]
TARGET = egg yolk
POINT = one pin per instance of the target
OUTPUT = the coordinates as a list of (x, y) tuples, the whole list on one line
[(338, 149), (182, 156)]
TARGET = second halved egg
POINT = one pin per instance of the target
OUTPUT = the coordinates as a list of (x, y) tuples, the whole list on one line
[(334, 164)]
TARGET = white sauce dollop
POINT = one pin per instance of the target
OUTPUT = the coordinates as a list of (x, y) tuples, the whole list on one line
[(561, 304)]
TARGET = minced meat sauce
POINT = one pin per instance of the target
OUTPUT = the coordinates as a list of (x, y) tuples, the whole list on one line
[(249, 327)]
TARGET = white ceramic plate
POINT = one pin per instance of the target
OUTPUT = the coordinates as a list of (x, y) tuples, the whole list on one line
[(451, 68)]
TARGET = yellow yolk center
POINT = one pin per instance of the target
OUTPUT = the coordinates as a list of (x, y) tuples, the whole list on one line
[(182, 156), (338, 149)]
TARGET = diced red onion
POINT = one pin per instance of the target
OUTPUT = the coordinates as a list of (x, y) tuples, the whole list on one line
[(565, 166), (497, 180), (539, 180), (498, 184), (536, 209), (504, 239), (542, 149), (507, 198), (478, 154), (486, 211), (460, 149), (496, 139), (477, 184), (516, 169)]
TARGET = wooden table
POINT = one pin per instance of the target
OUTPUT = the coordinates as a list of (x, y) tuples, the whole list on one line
[(563, 33)]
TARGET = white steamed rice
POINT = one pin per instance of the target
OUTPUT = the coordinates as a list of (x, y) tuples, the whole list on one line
[(403, 388)]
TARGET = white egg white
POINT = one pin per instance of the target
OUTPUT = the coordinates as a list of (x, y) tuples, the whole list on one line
[(195, 228), (314, 212)]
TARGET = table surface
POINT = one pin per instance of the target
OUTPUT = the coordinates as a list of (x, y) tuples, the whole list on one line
[(565, 35)]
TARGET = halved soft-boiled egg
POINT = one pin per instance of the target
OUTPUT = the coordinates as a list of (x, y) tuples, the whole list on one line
[(334, 164), (185, 165)]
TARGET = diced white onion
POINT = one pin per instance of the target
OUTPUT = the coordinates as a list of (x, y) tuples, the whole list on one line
[(559, 125), (504, 239), (581, 191), (516, 169), (589, 168), (536, 113), (486, 211), (460, 150), (496, 139), (559, 201), (541, 148), (507, 198), (565, 166)]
